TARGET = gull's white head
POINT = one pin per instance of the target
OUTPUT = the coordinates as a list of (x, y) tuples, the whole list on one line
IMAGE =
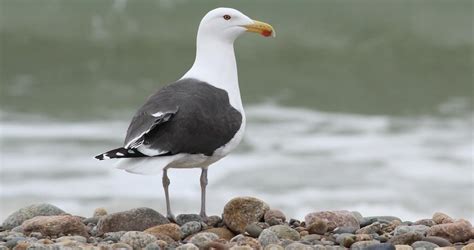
[(227, 24)]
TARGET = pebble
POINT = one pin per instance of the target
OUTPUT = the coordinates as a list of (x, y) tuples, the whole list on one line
[(334, 219), (403, 247), (274, 217), (18, 217), (153, 246), (469, 246), (222, 232), (459, 231), (254, 229), (242, 211), (362, 245), (421, 229), (345, 239), (137, 240), (298, 246), (188, 246), (165, 238), (317, 226), (170, 229), (441, 218), (311, 238), (341, 230), (285, 232), (268, 237), (370, 229), (113, 236), (274, 247), (214, 221), (241, 240), (437, 240), (383, 219), (190, 228), (137, 219), (203, 238), (405, 239), (11, 243), (77, 238), (121, 246), (185, 218), (99, 212), (381, 246), (426, 222), (423, 245), (55, 225)]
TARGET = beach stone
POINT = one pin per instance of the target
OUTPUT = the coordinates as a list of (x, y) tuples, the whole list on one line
[(442, 242), (362, 237), (274, 217), (55, 225), (137, 219), (76, 238), (190, 228), (403, 247), (241, 240), (242, 211), (137, 240), (342, 230), (441, 218), (362, 245), (469, 246), (274, 247), (153, 246), (358, 216), (381, 246), (203, 238), (424, 245), (185, 218), (458, 231), (170, 229), (421, 229), (311, 238), (334, 219), (254, 229), (113, 236), (285, 232), (214, 221), (298, 246), (18, 217), (12, 242), (370, 229), (268, 237), (222, 232), (240, 248), (99, 212), (382, 219), (317, 226), (165, 238), (426, 222), (121, 246), (406, 238), (188, 246), (346, 239)]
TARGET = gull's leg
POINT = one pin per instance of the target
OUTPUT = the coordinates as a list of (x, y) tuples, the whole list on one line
[(203, 194), (166, 184)]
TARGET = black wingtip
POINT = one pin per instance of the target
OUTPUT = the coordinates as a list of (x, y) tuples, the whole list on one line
[(99, 157)]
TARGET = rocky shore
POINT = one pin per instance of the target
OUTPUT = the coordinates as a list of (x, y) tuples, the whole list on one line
[(246, 223)]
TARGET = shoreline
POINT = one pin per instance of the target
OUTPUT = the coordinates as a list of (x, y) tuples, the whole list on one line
[(245, 223)]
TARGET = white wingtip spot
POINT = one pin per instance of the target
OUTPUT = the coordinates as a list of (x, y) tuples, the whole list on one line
[(119, 154)]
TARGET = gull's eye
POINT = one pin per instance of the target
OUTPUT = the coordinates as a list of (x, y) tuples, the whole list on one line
[(226, 17)]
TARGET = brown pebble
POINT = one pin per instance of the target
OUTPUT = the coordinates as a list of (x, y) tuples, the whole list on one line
[(469, 246), (99, 212), (459, 231), (441, 218), (304, 233), (403, 247), (318, 226)]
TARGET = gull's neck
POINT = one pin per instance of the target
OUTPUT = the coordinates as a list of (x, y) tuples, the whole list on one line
[(215, 64)]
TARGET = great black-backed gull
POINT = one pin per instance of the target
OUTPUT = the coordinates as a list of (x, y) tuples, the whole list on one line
[(198, 119)]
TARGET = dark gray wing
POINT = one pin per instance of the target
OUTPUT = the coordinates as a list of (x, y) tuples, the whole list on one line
[(188, 116)]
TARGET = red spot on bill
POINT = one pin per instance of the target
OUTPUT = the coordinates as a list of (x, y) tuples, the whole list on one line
[(266, 33)]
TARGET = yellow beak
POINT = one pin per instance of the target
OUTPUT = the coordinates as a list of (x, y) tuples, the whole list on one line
[(262, 28)]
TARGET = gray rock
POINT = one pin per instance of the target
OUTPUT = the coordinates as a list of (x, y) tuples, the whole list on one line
[(370, 229), (358, 216), (345, 239), (341, 230), (383, 219), (285, 232), (76, 238), (255, 228), (423, 245), (442, 242), (421, 229), (214, 221), (405, 239), (334, 248), (11, 243), (274, 217), (274, 247), (188, 246), (137, 240), (362, 245), (121, 246), (114, 236), (314, 239), (152, 246), (190, 228), (184, 218), (381, 246), (137, 219), (268, 237), (318, 226), (298, 246), (26, 213), (426, 222), (202, 239), (334, 219), (242, 211)]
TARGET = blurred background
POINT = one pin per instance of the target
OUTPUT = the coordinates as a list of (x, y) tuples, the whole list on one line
[(360, 105)]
